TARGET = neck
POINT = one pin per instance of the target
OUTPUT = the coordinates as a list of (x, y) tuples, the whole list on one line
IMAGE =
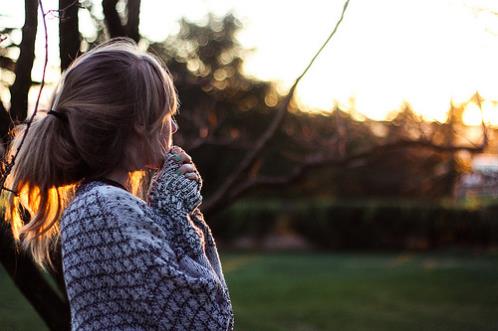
[(119, 176)]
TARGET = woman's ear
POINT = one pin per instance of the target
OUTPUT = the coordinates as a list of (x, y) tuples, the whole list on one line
[(139, 129)]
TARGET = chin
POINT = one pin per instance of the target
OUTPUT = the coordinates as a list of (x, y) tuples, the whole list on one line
[(152, 166), (157, 164)]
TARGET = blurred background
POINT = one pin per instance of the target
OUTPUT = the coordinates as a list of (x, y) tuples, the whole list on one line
[(360, 196)]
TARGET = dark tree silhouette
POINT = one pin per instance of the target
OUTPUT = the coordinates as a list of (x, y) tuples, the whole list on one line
[(113, 22), (69, 34), (19, 90)]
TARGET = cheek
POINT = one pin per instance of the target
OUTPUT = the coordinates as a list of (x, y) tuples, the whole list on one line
[(162, 146), (166, 136), (166, 133)]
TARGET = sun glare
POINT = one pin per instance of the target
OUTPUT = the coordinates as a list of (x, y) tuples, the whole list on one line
[(472, 114)]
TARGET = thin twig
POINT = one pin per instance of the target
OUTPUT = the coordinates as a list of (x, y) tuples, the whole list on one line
[(11, 163), (59, 13)]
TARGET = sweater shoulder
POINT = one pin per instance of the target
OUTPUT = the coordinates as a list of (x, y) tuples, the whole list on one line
[(100, 208), (107, 223), (96, 198), (96, 195)]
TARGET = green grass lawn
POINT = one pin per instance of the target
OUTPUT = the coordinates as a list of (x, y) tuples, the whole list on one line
[(357, 291)]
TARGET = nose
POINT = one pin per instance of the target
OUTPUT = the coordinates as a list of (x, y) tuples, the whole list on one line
[(174, 125)]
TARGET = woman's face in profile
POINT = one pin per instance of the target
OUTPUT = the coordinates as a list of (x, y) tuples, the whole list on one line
[(168, 128)]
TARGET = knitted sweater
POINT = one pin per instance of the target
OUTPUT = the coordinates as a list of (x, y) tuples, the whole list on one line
[(135, 265)]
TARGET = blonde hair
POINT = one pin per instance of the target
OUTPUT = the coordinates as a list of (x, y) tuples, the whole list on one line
[(112, 100)]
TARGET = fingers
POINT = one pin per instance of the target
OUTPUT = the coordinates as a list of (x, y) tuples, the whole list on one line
[(189, 171), (179, 155), (182, 157), (176, 149), (186, 168), (193, 176)]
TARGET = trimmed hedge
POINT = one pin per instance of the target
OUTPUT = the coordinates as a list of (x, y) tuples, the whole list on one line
[(362, 225)]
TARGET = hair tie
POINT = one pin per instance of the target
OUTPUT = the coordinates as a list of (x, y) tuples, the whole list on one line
[(57, 114)]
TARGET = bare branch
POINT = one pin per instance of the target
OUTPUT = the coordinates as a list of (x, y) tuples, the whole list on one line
[(315, 161), (252, 155), (62, 9), (7, 63)]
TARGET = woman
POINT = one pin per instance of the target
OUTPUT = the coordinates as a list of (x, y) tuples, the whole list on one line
[(128, 263)]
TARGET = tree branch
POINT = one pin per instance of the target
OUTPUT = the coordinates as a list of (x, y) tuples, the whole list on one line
[(7, 63), (331, 161), (219, 196)]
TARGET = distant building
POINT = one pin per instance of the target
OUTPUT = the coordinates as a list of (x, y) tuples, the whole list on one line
[(482, 181)]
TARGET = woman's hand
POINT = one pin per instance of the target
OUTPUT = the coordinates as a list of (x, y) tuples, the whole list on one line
[(177, 185), (187, 167)]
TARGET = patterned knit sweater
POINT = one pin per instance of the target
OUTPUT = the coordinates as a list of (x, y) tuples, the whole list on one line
[(135, 265)]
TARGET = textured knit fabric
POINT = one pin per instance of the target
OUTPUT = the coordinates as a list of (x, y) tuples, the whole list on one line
[(132, 265)]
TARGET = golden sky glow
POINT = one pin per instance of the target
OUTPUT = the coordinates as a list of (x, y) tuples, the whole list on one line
[(424, 52)]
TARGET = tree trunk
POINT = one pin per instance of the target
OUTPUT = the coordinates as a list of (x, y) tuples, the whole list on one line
[(112, 19), (51, 307), (69, 35), (133, 20), (20, 89), (5, 124)]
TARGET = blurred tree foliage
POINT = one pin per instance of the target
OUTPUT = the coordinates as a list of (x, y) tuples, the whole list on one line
[(223, 111)]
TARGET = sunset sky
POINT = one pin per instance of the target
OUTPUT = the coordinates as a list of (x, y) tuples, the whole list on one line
[(424, 52)]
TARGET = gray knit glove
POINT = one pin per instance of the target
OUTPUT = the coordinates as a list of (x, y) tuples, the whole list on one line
[(170, 191)]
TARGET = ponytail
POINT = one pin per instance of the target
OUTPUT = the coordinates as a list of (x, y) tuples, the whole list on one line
[(43, 177)]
